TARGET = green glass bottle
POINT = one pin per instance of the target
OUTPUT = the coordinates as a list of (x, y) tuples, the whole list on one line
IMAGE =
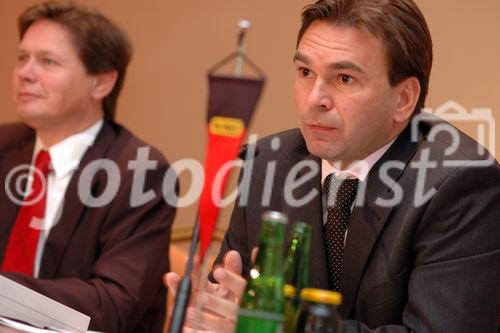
[(261, 308), (296, 271), (290, 309)]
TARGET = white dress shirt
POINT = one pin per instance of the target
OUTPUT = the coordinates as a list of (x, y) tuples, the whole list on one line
[(65, 157)]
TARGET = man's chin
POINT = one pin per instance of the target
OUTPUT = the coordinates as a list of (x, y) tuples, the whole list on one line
[(31, 118), (323, 150)]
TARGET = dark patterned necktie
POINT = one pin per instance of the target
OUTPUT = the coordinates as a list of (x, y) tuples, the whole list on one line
[(339, 195)]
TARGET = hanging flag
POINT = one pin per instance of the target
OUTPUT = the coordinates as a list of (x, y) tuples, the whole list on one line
[(231, 103)]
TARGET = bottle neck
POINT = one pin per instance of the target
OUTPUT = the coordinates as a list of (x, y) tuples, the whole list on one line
[(297, 261), (269, 261), (303, 263)]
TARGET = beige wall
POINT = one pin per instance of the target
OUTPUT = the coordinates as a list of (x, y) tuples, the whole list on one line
[(175, 43)]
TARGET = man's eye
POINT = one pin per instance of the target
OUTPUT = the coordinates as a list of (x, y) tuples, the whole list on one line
[(304, 72), (345, 79), (22, 57), (48, 61)]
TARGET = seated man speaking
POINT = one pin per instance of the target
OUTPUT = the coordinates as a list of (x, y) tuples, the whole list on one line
[(412, 239), (91, 230)]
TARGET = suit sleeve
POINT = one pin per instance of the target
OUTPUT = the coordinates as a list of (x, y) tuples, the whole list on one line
[(235, 237), (126, 275), (454, 284)]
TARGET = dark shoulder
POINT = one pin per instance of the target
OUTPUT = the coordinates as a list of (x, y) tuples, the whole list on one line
[(282, 145), (126, 146), (445, 140), (12, 134)]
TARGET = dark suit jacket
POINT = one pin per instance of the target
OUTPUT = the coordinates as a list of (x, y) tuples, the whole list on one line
[(106, 262), (432, 267)]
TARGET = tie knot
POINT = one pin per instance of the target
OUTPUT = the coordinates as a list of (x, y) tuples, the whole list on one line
[(340, 193), (42, 161)]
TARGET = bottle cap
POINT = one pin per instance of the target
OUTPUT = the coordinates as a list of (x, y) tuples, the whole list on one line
[(274, 216), (301, 227), (288, 290), (321, 296)]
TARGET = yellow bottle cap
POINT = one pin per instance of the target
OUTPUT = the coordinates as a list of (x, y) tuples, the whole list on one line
[(321, 296), (288, 290)]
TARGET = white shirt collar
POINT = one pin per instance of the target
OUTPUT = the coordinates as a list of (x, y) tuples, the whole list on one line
[(358, 169), (65, 156)]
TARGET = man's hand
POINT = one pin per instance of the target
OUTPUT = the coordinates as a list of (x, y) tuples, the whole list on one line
[(219, 301)]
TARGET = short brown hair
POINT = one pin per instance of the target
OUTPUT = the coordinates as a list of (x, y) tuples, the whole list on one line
[(101, 45), (399, 24)]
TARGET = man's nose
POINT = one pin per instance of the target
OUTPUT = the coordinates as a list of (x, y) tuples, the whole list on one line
[(26, 71), (320, 97)]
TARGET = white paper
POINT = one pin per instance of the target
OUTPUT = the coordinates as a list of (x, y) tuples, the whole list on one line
[(26, 305)]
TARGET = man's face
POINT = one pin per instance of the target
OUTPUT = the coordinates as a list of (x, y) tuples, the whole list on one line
[(345, 103), (50, 84)]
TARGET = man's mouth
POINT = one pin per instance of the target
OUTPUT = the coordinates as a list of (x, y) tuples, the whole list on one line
[(320, 127), (26, 96)]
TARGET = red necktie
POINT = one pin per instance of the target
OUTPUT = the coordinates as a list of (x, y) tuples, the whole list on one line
[(23, 241)]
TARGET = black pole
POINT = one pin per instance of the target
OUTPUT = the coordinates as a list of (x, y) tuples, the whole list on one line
[(184, 290)]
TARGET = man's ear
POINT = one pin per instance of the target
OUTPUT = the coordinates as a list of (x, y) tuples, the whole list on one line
[(408, 92), (104, 83)]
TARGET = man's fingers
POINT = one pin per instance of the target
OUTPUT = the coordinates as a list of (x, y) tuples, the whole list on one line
[(194, 330), (207, 322), (219, 302), (232, 262), (195, 275), (220, 306), (235, 283), (255, 250), (171, 281)]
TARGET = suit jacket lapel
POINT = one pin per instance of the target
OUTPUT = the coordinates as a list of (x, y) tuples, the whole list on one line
[(310, 212), (368, 220), (73, 208), (18, 156)]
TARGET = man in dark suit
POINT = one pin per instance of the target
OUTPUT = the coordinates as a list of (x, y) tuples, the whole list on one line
[(101, 242), (419, 244)]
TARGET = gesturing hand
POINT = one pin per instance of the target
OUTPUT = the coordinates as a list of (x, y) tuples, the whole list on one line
[(219, 301)]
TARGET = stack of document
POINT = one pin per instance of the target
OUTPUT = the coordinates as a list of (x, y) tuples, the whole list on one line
[(22, 306)]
